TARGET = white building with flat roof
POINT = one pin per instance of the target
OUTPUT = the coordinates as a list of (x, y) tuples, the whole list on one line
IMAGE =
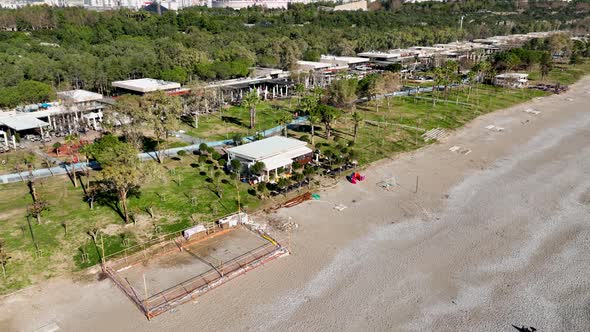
[(146, 85), (313, 65), (344, 60), (79, 96), (512, 80), (274, 152)]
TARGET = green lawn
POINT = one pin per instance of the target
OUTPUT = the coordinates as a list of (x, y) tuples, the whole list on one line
[(169, 194), (236, 119), (387, 130), (9, 161), (562, 73)]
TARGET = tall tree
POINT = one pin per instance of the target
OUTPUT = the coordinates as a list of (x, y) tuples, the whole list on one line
[(200, 101), (370, 86), (128, 116), (356, 119), (162, 114), (309, 107), (546, 64), (284, 121), (250, 101), (328, 115), (389, 82), (343, 92), (313, 117), (122, 171), (560, 44)]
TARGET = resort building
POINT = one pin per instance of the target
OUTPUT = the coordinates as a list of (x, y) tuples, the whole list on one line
[(275, 153), (146, 85), (512, 80)]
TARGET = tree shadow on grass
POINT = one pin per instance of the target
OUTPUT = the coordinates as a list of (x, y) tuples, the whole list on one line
[(149, 144), (107, 196), (232, 119), (303, 128)]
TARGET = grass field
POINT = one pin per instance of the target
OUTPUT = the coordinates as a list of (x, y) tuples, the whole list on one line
[(236, 119), (169, 194), (562, 73), (9, 161), (389, 129)]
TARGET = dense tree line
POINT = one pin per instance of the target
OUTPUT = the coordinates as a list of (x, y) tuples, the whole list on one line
[(63, 48)]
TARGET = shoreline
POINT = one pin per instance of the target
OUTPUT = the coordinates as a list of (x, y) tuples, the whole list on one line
[(332, 249)]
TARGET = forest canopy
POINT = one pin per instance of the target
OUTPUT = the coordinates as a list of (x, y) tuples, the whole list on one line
[(49, 48)]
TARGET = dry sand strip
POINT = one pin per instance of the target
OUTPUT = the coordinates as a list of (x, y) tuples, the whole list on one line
[(495, 238)]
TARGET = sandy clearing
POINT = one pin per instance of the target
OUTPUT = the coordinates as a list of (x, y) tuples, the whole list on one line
[(493, 238)]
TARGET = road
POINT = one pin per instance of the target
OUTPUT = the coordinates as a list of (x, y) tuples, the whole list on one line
[(494, 238)]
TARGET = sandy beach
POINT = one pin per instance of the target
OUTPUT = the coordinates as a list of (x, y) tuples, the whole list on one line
[(493, 238)]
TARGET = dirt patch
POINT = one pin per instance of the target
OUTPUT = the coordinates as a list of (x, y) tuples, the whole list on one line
[(10, 214)]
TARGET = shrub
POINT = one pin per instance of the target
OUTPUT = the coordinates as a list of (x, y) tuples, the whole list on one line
[(216, 155), (304, 138), (181, 153), (257, 168), (237, 138), (236, 165), (203, 148)]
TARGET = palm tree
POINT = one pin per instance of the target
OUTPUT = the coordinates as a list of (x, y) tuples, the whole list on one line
[(438, 80), (472, 76), (250, 101), (299, 92), (328, 115), (313, 117), (450, 75), (356, 118), (480, 68), (284, 121)]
